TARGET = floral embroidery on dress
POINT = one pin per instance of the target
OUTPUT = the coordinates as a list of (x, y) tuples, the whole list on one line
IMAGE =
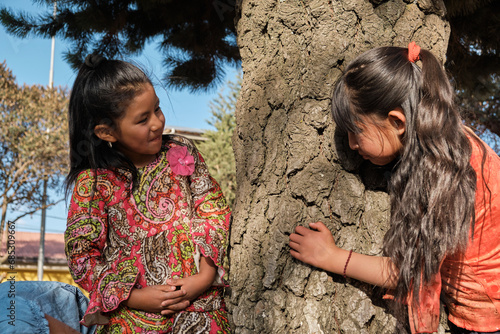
[(180, 160)]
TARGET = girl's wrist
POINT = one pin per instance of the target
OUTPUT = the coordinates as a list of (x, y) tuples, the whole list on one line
[(208, 269), (207, 277), (346, 264), (130, 301), (339, 260)]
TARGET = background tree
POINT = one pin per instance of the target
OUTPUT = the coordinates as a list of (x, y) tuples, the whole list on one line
[(293, 169), (217, 149), (196, 39), (483, 114), (473, 60), (33, 145)]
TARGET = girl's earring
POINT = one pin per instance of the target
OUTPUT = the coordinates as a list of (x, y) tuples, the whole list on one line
[(110, 144)]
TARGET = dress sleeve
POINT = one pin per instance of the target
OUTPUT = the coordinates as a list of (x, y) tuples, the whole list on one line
[(210, 223), (108, 282), (424, 313)]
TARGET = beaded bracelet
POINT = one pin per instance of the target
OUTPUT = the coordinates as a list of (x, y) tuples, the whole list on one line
[(347, 262)]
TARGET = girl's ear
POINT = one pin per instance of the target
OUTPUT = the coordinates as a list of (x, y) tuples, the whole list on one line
[(104, 132), (397, 119)]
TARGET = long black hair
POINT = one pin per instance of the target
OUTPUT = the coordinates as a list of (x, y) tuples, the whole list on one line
[(100, 95), (432, 188)]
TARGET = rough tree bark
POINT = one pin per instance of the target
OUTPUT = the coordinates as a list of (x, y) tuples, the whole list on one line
[(292, 168)]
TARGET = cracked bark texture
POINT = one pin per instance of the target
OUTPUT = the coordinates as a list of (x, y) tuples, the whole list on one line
[(293, 168)]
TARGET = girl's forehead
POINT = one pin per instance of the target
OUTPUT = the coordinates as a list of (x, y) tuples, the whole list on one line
[(365, 121), (142, 87), (143, 91)]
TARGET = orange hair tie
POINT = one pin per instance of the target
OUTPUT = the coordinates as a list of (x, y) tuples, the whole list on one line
[(413, 52)]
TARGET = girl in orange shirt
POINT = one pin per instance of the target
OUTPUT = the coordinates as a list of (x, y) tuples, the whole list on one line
[(444, 191)]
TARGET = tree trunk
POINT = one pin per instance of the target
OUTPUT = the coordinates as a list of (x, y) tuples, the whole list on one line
[(293, 169)]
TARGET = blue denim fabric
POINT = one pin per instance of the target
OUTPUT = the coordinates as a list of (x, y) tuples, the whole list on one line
[(25, 303)]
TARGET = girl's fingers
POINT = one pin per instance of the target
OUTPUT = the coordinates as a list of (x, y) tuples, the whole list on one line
[(313, 227), (294, 237), (294, 245), (295, 254), (171, 298), (319, 226), (176, 294), (175, 308), (165, 288), (301, 230), (172, 301), (175, 282)]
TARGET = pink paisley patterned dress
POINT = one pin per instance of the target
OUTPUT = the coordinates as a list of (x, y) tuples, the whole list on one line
[(122, 237)]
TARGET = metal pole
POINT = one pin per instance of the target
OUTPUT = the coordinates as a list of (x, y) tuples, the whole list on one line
[(41, 250), (52, 51), (51, 73)]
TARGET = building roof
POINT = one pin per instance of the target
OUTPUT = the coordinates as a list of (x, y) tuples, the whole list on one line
[(191, 133), (26, 247)]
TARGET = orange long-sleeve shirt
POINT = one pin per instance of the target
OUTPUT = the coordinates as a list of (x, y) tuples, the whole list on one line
[(470, 283)]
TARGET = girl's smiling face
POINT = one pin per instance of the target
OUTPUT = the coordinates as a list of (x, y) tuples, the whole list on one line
[(138, 133), (379, 141)]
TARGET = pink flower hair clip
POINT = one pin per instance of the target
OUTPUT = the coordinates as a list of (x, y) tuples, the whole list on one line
[(181, 162)]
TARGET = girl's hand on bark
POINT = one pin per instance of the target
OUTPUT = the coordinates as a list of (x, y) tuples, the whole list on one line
[(314, 245)]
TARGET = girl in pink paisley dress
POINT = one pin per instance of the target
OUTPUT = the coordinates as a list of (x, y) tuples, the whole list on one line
[(147, 225)]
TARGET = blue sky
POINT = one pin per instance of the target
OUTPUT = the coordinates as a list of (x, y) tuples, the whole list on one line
[(29, 60)]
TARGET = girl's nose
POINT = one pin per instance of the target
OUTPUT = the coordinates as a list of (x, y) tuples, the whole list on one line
[(157, 122), (353, 143)]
